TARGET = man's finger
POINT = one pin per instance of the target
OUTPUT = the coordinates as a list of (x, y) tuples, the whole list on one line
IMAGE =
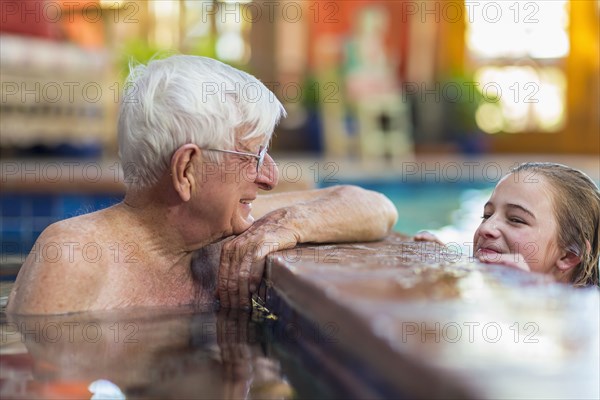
[(243, 255), (244, 276), (256, 275), (223, 284), (233, 284), (243, 295)]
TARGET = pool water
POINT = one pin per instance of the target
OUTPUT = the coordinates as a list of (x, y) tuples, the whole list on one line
[(452, 211), (149, 353)]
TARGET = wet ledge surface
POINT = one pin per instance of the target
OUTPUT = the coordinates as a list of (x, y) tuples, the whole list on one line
[(399, 318)]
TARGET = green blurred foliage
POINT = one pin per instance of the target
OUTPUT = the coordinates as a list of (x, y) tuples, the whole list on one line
[(139, 51)]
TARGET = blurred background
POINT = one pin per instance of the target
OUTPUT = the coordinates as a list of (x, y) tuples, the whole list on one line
[(373, 89)]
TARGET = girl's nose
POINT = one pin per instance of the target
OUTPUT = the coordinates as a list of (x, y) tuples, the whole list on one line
[(489, 228)]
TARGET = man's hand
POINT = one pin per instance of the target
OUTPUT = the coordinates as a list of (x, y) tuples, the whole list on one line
[(243, 258), (331, 215)]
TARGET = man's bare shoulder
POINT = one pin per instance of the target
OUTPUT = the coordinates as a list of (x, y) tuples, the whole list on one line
[(62, 270), (72, 242)]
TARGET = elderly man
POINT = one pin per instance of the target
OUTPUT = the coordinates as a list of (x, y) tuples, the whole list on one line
[(193, 137)]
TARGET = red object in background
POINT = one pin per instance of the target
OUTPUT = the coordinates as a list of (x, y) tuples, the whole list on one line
[(31, 17), (64, 20)]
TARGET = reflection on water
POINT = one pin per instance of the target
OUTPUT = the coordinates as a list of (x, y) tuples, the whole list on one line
[(146, 353)]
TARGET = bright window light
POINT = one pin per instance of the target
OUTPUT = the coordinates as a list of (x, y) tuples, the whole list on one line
[(521, 98), (518, 48), (515, 29)]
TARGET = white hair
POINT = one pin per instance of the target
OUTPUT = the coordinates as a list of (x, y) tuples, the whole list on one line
[(188, 99)]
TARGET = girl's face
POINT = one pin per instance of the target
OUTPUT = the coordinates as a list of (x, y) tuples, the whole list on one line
[(519, 219)]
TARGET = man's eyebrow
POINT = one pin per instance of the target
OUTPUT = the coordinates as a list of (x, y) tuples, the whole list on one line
[(510, 205)]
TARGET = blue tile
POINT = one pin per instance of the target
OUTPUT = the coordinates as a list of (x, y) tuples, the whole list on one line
[(11, 240), (24, 217), (43, 205), (87, 205), (10, 224), (102, 202), (11, 246), (39, 224), (27, 245), (72, 205), (11, 205)]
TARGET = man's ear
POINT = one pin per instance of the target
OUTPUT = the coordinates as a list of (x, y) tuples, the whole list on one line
[(568, 261), (182, 170)]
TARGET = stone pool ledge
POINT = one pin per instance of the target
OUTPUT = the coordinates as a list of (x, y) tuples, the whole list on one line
[(399, 319)]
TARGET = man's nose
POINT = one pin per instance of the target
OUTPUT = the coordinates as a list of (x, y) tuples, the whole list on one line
[(268, 174)]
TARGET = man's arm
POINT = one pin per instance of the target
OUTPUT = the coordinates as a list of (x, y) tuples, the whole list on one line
[(336, 214)]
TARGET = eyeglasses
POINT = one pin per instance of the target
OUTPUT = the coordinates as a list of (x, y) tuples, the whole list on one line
[(260, 156)]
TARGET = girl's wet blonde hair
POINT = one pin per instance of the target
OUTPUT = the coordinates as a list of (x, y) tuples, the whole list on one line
[(576, 202)]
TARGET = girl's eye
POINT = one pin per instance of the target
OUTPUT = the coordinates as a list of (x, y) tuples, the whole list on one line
[(516, 220), (486, 216)]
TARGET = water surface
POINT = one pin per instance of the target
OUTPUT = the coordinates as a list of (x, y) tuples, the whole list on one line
[(140, 353)]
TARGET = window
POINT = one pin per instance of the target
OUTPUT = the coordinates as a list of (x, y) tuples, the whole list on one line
[(518, 49)]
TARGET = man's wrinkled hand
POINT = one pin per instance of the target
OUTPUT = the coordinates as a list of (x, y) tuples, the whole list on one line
[(243, 258)]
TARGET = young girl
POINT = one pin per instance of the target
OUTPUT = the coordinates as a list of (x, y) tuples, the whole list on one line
[(541, 217)]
